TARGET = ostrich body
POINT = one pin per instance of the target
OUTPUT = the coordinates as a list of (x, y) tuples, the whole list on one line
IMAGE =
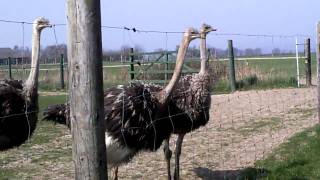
[(190, 104), (136, 116), (19, 102)]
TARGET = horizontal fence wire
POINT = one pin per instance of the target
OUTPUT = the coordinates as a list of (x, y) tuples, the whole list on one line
[(134, 29)]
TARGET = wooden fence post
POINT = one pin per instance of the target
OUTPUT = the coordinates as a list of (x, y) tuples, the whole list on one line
[(61, 71), (131, 64), (9, 63), (232, 76), (86, 89), (318, 68), (307, 52)]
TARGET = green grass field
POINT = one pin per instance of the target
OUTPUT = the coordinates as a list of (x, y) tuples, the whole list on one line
[(297, 159), (269, 73)]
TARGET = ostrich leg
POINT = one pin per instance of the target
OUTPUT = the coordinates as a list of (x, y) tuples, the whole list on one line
[(167, 154), (177, 156), (115, 173)]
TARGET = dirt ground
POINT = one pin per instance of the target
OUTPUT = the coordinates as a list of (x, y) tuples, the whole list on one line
[(243, 128)]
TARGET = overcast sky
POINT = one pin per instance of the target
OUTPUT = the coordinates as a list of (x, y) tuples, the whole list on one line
[(280, 17)]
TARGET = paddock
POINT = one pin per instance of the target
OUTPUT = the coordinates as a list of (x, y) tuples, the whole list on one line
[(244, 127)]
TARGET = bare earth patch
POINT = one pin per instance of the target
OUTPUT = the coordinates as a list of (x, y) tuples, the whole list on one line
[(51, 93), (243, 128)]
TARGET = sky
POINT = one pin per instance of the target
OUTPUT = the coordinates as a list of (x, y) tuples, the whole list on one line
[(277, 17)]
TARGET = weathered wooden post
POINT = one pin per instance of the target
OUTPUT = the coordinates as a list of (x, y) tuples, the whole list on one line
[(307, 52), (61, 71), (9, 64), (131, 64), (318, 68), (86, 89), (232, 76)]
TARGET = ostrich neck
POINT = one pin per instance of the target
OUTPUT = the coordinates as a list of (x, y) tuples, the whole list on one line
[(177, 70), (31, 85), (203, 55)]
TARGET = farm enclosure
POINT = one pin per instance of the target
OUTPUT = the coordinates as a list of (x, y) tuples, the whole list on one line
[(244, 127)]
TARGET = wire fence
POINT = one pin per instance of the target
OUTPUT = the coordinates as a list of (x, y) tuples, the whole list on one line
[(244, 127)]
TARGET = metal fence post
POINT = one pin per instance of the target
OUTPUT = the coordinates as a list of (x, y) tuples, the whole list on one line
[(308, 62), (167, 67), (297, 62), (61, 71), (131, 64), (232, 76), (318, 68), (9, 63)]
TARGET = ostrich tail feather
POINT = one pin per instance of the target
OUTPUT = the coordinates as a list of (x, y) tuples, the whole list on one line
[(56, 113)]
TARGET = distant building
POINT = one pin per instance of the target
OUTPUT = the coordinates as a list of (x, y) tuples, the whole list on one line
[(8, 52)]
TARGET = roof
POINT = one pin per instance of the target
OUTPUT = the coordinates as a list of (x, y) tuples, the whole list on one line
[(6, 52)]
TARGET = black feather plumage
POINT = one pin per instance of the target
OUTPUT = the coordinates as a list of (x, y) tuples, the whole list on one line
[(133, 116), (16, 126)]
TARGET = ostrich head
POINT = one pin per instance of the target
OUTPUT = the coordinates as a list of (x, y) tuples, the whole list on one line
[(41, 23), (205, 29), (191, 34)]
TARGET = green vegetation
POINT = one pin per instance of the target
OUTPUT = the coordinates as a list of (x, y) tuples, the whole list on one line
[(252, 82), (264, 74), (297, 159), (250, 74), (258, 125)]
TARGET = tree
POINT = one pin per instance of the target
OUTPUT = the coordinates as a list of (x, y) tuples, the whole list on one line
[(53, 52), (276, 51)]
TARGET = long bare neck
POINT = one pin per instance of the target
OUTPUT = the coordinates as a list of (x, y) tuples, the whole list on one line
[(177, 70), (31, 85), (203, 54)]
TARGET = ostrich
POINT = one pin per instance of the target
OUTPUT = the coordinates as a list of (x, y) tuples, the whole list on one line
[(19, 102), (136, 116), (190, 104)]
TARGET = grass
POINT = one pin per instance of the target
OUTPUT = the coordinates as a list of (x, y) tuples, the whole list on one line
[(258, 125), (297, 159), (223, 86), (270, 73), (304, 112)]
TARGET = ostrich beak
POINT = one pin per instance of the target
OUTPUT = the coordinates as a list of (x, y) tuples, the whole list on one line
[(211, 29), (46, 25)]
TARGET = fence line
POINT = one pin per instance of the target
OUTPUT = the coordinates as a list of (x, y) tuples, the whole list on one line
[(137, 30)]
